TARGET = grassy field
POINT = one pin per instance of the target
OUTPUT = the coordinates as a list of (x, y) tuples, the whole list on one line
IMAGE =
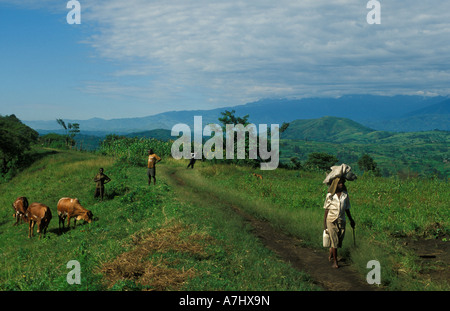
[(389, 212), (142, 237), (152, 238)]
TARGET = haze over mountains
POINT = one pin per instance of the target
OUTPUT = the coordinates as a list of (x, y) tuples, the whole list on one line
[(383, 113)]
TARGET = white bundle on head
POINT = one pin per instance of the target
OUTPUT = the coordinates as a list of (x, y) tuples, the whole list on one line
[(340, 171)]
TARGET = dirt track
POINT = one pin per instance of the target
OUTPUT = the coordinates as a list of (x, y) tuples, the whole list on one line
[(290, 249)]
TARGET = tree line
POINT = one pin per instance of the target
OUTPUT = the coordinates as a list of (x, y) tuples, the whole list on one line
[(323, 161), (316, 161), (15, 139), (67, 140)]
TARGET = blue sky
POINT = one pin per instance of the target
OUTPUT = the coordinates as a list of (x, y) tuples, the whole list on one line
[(139, 57)]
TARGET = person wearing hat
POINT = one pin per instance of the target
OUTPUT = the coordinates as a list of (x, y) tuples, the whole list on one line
[(337, 205)]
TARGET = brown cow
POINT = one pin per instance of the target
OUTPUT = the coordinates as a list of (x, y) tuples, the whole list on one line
[(20, 206), (39, 214), (71, 208)]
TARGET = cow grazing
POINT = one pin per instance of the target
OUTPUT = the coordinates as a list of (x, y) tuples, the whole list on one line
[(71, 208), (39, 214), (20, 207)]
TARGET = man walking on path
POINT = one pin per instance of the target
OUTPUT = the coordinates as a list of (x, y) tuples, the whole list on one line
[(337, 204), (151, 168), (101, 179)]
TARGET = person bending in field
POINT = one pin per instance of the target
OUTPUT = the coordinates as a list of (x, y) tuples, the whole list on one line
[(101, 179), (337, 205), (151, 167)]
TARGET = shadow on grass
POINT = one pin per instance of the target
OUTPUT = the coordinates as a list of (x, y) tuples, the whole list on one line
[(25, 161), (80, 224), (34, 156)]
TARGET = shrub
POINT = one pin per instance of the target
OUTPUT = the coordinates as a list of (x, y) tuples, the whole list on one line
[(320, 161)]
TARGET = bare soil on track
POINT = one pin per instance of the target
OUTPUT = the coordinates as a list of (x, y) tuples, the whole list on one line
[(288, 248)]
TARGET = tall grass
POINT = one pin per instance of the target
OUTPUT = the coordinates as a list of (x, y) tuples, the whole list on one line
[(132, 211), (31, 265), (134, 150), (385, 209)]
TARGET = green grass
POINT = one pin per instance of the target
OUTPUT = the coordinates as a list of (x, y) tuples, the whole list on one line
[(221, 253), (385, 210), (132, 211)]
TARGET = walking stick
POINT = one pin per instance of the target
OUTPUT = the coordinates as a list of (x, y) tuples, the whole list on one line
[(354, 240)]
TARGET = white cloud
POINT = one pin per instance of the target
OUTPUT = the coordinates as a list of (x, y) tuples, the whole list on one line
[(253, 49), (234, 51)]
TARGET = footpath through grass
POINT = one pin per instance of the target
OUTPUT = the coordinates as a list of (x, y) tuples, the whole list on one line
[(389, 214), (143, 237)]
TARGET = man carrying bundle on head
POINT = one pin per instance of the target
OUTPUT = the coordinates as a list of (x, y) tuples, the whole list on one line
[(337, 205)]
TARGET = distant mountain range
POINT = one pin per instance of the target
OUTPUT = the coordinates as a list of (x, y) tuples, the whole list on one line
[(383, 113)]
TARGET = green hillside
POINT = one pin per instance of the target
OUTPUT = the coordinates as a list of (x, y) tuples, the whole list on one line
[(330, 129), (160, 134), (411, 154), (142, 238)]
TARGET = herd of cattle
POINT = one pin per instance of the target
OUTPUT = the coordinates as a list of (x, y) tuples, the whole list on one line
[(40, 214)]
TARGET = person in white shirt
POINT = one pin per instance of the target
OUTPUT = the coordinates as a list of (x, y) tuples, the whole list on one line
[(337, 205)]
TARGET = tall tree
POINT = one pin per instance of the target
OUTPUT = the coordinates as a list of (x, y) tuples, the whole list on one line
[(70, 130), (63, 125), (320, 160), (367, 163), (229, 118), (74, 129)]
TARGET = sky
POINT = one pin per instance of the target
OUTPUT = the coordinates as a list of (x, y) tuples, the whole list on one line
[(141, 57)]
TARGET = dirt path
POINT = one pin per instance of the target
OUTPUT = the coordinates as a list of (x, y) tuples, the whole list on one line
[(290, 249)]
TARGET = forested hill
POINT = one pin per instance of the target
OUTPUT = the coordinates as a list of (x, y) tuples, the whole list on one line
[(15, 139), (416, 153), (326, 129)]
